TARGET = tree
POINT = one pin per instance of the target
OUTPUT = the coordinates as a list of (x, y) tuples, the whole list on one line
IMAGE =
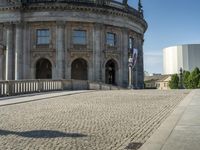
[(186, 75), (194, 79), (173, 84)]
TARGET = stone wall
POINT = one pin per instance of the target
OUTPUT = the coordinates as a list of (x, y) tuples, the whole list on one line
[(22, 52)]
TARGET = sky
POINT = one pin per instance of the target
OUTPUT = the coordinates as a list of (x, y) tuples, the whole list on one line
[(170, 23)]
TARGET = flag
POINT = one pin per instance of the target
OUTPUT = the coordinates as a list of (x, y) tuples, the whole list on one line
[(135, 55)]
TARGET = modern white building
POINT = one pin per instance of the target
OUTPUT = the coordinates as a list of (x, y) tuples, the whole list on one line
[(185, 56)]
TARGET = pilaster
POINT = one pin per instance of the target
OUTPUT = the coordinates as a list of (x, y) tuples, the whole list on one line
[(139, 72), (1, 61), (97, 52), (125, 49), (26, 51), (18, 51), (9, 73), (60, 50)]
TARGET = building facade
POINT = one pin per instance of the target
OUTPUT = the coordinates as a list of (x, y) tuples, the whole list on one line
[(160, 82), (182, 56), (70, 39)]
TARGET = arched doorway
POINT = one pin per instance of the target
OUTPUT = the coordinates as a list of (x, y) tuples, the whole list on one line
[(110, 70), (79, 69), (43, 69)]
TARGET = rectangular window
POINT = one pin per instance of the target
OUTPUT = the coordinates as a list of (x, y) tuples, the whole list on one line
[(131, 43), (111, 39), (79, 37), (43, 36)]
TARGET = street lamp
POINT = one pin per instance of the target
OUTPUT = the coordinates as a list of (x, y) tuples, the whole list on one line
[(130, 66), (181, 79)]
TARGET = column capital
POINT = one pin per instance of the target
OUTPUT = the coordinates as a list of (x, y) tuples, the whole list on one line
[(8, 25), (61, 23), (98, 25), (19, 24)]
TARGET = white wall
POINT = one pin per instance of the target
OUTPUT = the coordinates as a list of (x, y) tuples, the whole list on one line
[(185, 56), (170, 60)]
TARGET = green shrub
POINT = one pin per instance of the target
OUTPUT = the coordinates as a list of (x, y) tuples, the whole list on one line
[(173, 84)]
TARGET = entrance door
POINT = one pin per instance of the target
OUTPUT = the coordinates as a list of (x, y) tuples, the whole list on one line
[(79, 69), (43, 69), (110, 72)]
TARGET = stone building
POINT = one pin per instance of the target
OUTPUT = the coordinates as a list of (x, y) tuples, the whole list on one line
[(160, 82), (70, 39)]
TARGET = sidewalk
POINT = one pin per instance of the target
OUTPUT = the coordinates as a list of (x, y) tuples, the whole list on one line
[(181, 130), (35, 97)]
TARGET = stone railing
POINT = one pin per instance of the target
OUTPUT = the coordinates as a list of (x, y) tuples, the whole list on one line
[(11, 88)]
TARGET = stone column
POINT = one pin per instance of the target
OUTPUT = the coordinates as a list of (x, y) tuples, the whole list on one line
[(19, 52), (9, 73), (60, 50), (97, 52), (125, 49), (1, 62)]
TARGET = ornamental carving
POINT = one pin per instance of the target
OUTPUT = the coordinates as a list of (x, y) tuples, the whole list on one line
[(112, 54), (83, 54), (48, 55)]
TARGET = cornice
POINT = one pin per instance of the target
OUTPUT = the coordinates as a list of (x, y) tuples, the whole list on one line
[(136, 16)]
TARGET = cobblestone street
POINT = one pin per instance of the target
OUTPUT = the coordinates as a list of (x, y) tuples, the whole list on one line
[(101, 120)]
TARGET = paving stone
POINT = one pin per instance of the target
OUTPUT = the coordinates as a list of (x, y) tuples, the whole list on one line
[(101, 120)]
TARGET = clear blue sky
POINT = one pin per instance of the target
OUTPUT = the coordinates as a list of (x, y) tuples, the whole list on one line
[(171, 22)]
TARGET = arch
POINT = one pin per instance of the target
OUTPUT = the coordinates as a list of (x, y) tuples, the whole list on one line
[(79, 69), (111, 68), (43, 69)]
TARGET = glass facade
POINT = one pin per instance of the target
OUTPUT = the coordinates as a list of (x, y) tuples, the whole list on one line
[(79, 37), (43, 36)]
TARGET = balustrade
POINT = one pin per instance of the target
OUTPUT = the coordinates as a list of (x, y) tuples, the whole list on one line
[(19, 87)]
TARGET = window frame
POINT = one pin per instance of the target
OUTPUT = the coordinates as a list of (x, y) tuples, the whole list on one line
[(114, 40), (46, 37), (131, 42), (84, 37)]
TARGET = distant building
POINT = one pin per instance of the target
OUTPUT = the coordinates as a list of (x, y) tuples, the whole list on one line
[(185, 56), (160, 82)]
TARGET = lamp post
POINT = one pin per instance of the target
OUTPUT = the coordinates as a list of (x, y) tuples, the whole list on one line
[(181, 79), (130, 66)]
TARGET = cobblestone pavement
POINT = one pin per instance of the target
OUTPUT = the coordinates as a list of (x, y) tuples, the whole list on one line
[(101, 120)]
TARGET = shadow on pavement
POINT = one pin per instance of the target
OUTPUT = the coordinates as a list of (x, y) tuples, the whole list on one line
[(42, 134)]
